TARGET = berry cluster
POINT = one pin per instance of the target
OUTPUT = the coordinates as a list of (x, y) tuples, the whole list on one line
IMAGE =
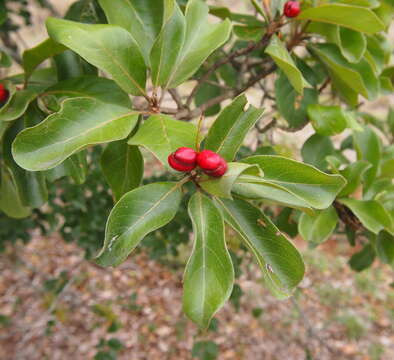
[(291, 9), (186, 159), (4, 94)]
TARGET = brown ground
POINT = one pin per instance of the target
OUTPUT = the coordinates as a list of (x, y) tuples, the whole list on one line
[(337, 315)]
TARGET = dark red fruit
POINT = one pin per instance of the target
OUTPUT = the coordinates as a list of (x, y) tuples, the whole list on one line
[(291, 9), (219, 171), (208, 160), (4, 94), (211, 163), (186, 156), (184, 159)]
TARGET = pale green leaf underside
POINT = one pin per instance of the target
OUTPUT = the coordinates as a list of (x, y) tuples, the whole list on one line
[(223, 186), (162, 135), (305, 182), (318, 228), (209, 273), (277, 50), (79, 123), (135, 215)]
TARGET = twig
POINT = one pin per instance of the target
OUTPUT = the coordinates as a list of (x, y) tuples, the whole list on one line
[(177, 98)]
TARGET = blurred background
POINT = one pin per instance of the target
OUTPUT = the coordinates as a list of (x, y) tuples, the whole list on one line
[(55, 304)]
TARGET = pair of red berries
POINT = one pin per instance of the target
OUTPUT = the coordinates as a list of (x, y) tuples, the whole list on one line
[(4, 94), (186, 159), (291, 9)]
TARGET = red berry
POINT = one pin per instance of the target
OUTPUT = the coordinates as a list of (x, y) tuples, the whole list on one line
[(4, 94), (208, 160), (186, 156), (175, 164), (219, 171), (291, 9)]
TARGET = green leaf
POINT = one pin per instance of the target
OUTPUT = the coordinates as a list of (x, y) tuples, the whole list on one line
[(290, 104), (353, 17), (315, 150), (90, 86), (201, 40), (38, 54), (209, 273), (79, 123), (142, 18), (31, 186), (368, 147), (227, 133), (205, 350), (385, 247), (277, 50), (123, 167), (360, 77), (327, 120), (371, 214), (108, 47), (301, 180), (166, 50), (387, 169), (352, 44), (134, 216), (319, 227), (17, 105), (279, 260), (363, 259), (206, 92), (169, 135), (353, 174), (222, 186), (10, 202), (5, 59)]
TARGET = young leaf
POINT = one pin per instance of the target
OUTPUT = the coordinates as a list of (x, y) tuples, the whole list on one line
[(327, 120), (201, 40), (301, 180), (318, 228), (169, 135), (79, 123), (36, 55), (108, 47), (134, 216), (166, 50), (209, 273), (352, 44), (277, 50), (371, 214), (353, 17), (227, 133), (123, 167), (279, 260), (142, 18)]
